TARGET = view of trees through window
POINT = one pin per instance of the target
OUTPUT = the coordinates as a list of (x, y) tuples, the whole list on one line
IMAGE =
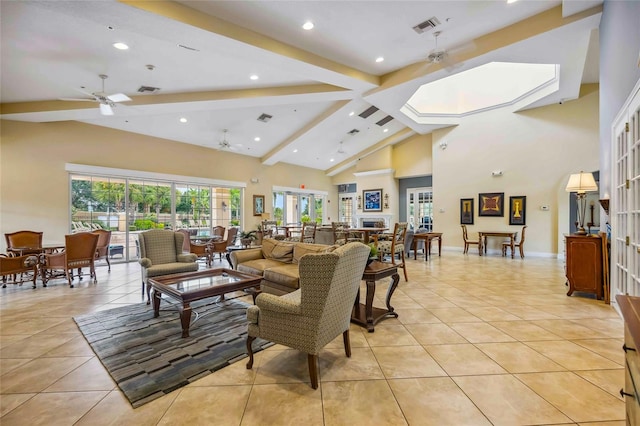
[(290, 207), (128, 206)]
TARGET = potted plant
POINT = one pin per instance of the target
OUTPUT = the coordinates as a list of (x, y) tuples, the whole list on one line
[(246, 237), (373, 253)]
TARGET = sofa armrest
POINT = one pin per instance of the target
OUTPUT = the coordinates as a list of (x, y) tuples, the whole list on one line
[(287, 304), (187, 258), (145, 262), (240, 256)]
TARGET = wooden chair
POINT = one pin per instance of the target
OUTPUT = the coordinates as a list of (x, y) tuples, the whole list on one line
[(519, 244), (220, 247), (18, 269), (218, 231), (79, 252), (29, 242), (186, 243), (467, 241), (309, 232), (202, 251), (392, 245), (342, 234), (102, 249), (270, 230), (315, 314)]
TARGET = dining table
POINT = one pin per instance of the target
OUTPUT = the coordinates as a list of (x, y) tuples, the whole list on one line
[(367, 231), (483, 235)]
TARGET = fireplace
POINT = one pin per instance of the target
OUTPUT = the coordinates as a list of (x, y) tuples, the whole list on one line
[(370, 221)]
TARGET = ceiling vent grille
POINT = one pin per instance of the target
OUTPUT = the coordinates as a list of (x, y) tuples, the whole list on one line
[(353, 132), (367, 112), (265, 117), (426, 25), (150, 89), (385, 120)]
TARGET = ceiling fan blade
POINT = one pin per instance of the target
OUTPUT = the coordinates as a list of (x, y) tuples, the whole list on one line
[(119, 97), (77, 99), (106, 109)]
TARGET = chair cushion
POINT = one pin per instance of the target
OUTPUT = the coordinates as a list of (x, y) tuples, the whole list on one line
[(385, 247), (277, 250), (257, 266), (301, 249), (171, 268), (287, 275)]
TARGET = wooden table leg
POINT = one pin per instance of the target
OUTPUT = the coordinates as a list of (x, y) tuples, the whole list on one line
[(512, 246), (157, 296), (395, 278), (440, 246), (480, 244), (185, 319), (371, 290)]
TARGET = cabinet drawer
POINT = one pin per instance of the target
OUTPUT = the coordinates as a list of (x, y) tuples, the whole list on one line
[(632, 379)]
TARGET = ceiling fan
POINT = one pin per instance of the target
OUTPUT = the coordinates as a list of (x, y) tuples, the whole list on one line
[(225, 144), (446, 57), (107, 102)]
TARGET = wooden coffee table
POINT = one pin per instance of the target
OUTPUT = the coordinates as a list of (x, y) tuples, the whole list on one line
[(191, 286)]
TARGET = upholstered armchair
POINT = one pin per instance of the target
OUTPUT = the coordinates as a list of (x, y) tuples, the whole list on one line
[(18, 269), (392, 245), (161, 254), (79, 252), (319, 311), (28, 242)]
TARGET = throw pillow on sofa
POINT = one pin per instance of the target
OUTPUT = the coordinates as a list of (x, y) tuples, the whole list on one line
[(277, 250)]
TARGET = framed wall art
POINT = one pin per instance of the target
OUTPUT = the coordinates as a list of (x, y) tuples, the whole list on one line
[(517, 210), (258, 205), (491, 204), (466, 211), (372, 200)]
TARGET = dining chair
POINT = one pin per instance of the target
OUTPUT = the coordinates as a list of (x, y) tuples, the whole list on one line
[(467, 241), (102, 249), (29, 242), (79, 252), (220, 247), (392, 245), (309, 232), (218, 231), (202, 251), (520, 244), (18, 269), (186, 243), (318, 312), (342, 234), (270, 230)]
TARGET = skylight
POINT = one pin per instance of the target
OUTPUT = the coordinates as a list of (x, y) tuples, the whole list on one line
[(486, 87)]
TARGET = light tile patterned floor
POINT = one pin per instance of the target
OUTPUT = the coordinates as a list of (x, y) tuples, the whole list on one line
[(479, 341)]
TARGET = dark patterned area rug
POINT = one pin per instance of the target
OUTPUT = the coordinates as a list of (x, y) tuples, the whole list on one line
[(147, 357)]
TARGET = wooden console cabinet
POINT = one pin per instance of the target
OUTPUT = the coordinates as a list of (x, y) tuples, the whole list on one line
[(584, 264), (630, 308)]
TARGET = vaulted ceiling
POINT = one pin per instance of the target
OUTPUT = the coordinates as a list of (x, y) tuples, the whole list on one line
[(313, 85)]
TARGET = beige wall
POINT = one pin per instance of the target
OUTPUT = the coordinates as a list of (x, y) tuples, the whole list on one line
[(34, 191), (412, 157)]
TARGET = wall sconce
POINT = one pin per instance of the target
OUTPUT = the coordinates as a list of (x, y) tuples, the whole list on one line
[(224, 206), (359, 202), (386, 201)]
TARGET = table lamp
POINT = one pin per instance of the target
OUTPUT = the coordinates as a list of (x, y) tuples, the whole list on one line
[(581, 183)]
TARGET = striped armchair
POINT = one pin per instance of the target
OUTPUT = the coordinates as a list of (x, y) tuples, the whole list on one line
[(161, 254), (319, 311)]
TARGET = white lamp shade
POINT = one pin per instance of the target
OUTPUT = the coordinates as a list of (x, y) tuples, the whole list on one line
[(581, 183)]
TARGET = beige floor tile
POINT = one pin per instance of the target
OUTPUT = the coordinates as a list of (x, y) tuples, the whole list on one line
[(356, 337), (287, 366), (527, 312), (115, 409), (427, 334), (360, 403), (476, 332), (572, 356), (280, 404), (451, 315), (435, 401), (220, 405), (491, 313), (8, 339), (38, 374), (406, 361), (234, 374), (30, 326), (463, 359), (90, 376), (507, 401), (9, 402), (616, 423), (8, 364), (575, 397), (417, 316), (609, 380), (34, 346), (517, 357), (524, 330), (390, 335), (53, 409), (335, 366), (569, 330), (608, 348), (77, 346)]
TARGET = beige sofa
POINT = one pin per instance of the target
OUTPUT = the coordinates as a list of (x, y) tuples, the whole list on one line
[(277, 262)]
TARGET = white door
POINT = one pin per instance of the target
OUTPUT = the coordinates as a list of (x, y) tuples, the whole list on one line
[(420, 208)]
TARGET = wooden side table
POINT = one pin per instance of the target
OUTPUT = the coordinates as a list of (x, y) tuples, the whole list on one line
[(426, 237), (366, 314)]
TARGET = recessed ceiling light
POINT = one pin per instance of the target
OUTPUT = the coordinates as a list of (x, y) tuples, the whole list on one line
[(308, 25), (379, 59), (257, 139), (332, 160), (120, 46), (385, 130), (511, 1), (295, 150), (254, 77), (351, 114), (183, 120)]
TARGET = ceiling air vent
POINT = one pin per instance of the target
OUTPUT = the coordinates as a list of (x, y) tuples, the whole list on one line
[(150, 89), (367, 112), (385, 120), (353, 132), (265, 118), (426, 25)]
